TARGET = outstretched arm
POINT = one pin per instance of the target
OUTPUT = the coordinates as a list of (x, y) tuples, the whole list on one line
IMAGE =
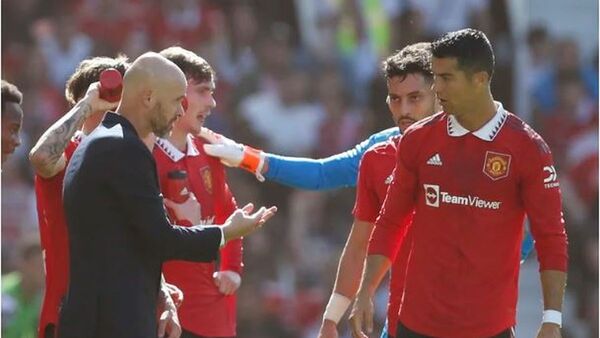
[(336, 171)]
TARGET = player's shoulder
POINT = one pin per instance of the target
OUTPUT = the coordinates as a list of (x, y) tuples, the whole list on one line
[(524, 135), (199, 143), (384, 147), (383, 136), (386, 133), (425, 125)]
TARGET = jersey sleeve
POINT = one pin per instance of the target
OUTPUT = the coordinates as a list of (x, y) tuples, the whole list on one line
[(396, 213), (541, 196), (336, 171), (366, 204)]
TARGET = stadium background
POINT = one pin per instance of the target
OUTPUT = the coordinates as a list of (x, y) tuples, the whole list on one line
[(308, 69)]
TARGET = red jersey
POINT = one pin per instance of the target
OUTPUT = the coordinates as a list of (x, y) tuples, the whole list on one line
[(374, 178), (470, 192), (205, 311), (54, 240)]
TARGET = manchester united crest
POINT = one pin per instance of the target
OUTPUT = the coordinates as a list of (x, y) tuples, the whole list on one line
[(206, 179), (496, 165)]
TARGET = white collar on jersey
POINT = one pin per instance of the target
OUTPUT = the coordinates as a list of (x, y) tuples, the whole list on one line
[(175, 154), (489, 130)]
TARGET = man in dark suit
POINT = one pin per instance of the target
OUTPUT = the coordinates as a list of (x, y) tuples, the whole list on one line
[(118, 231)]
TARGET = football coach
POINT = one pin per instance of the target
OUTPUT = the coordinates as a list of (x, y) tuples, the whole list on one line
[(119, 235)]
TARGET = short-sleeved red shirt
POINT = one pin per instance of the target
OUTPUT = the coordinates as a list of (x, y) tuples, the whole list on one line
[(470, 192), (205, 311)]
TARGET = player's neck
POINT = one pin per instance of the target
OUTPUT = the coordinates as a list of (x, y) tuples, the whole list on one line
[(480, 112), (178, 138)]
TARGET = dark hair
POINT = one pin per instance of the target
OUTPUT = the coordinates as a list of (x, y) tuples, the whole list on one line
[(88, 72), (470, 47), (192, 65), (10, 93), (415, 58)]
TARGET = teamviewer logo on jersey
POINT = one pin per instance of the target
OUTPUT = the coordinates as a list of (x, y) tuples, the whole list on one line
[(551, 179), (432, 195)]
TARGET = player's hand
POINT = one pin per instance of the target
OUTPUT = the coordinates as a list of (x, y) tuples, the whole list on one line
[(234, 154), (242, 222), (328, 329), (227, 281), (97, 105), (175, 293), (188, 210), (362, 314), (549, 330), (168, 325), (168, 321)]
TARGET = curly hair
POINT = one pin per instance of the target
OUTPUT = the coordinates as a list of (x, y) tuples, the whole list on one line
[(193, 66), (415, 58), (88, 72), (10, 93)]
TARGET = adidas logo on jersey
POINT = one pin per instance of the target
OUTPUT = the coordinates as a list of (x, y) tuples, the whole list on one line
[(435, 160)]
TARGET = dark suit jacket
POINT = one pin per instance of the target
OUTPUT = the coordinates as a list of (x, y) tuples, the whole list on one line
[(119, 236)]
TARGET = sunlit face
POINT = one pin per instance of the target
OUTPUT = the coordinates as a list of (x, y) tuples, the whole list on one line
[(200, 102), (12, 119), (167, 108), (454, 88), (410, 99)]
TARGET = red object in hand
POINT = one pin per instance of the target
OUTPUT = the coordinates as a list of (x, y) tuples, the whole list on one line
[(177, 186), (111, 84)]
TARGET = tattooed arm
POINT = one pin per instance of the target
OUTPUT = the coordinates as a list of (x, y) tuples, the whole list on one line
[(48, 155)]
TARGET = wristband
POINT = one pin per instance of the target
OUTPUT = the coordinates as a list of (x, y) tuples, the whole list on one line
[(253, 161), (552, 316), (337, 306)]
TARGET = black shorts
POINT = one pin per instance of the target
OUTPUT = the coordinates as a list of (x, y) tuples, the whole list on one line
[(187, 334), (404, 332)]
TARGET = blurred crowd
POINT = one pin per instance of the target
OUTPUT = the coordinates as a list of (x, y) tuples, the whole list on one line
[(296, 78)]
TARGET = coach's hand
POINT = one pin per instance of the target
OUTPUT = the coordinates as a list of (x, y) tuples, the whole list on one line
[(234, 154), (362, 313), (242, 222), (549, 330), (97, 105), (168, 321), (328, 329), (227, 281)]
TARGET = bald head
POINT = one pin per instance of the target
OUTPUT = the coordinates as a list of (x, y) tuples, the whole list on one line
[(152, 71), (153, 88)]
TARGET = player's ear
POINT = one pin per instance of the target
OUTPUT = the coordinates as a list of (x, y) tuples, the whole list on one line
[(480, 78)]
